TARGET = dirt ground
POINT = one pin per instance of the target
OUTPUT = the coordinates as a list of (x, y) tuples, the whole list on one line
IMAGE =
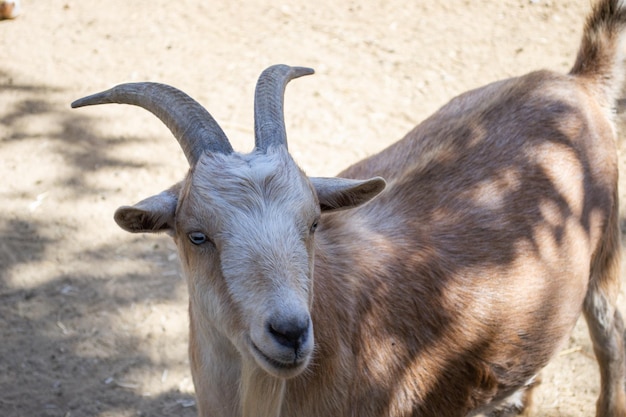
[(93, 320)]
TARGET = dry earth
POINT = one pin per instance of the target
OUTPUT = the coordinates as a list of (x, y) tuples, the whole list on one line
[(93, 320)]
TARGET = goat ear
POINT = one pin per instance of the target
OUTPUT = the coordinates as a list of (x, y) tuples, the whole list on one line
[(343, 193), (152, 215)]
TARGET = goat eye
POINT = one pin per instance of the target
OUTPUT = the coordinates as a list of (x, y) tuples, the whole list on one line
[(197, 238), (314, 226)]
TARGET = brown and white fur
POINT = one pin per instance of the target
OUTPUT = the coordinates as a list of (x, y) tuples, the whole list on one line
[(443, 296)]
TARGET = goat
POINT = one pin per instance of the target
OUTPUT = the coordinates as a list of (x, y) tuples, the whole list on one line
[(443, 296)]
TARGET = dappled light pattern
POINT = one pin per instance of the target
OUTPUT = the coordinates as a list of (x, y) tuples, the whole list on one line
[(514, 202), (75, 338)]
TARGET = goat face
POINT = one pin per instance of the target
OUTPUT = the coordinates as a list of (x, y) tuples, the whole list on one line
[(244, 228)]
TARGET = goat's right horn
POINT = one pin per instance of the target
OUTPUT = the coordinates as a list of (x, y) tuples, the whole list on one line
[(194, 128), (269, 119)]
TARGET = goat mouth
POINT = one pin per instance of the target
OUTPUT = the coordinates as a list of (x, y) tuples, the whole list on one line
[(290, 367)]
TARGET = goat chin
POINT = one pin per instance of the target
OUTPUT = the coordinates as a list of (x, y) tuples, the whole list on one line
[(279, 368)]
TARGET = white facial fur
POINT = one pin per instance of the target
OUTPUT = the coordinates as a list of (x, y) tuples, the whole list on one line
[(257, 211)]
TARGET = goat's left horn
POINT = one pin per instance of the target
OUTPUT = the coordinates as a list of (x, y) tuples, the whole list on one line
[(194, 128), (269, 118)]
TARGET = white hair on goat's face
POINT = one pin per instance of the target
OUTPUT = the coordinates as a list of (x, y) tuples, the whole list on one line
[(249, 221)]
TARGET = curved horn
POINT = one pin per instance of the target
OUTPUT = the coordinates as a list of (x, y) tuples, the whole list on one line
[(189, 122), (269, 119)]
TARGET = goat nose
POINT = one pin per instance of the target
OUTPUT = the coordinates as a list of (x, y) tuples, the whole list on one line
[(291, 333)]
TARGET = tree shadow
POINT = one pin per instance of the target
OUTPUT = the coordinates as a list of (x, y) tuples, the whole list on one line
[(91, 330), (71, 345), (74, 141)]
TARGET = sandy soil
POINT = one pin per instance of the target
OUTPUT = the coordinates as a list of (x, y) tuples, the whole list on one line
[(93, 320)]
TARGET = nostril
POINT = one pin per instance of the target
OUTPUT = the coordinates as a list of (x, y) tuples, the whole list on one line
[(289, 333)]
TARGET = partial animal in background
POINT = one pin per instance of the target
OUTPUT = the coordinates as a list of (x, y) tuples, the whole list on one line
[(10, 9)]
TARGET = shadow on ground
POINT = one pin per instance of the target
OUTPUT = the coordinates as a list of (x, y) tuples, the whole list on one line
[(96, 329)]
